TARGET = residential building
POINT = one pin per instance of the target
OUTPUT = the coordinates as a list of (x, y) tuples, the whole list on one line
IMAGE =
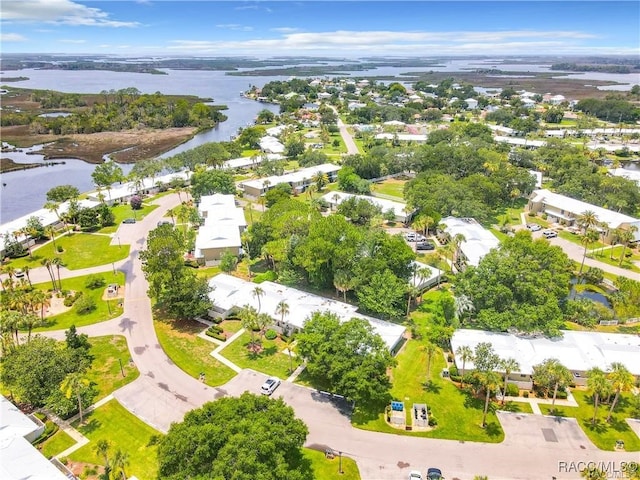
[(271, 144), (299, 180), (476, 240), (399, 209), (231, 293), (567, 211), (424, 282), (403, 137), (472, 103), (18, 458), (576, 350), (224, 223)]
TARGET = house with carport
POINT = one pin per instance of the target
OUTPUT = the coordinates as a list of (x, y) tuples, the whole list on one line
[(299, 180), (221, 232)]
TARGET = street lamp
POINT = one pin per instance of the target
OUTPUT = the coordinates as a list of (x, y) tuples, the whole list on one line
[(340, 462)]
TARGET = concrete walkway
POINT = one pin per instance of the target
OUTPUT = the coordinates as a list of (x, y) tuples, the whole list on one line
[(216, 353)]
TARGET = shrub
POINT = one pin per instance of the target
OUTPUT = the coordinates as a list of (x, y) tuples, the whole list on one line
[(270, 334), (154, 440), (95, 281), (136, 202), (214, 329), (455, 378), (433, 422), (71, 299), (218, 336), (59, 248), (450, 357), (531, 214), (50, 429), (85, 304), (269, 275), (216, 320), (525, 394), (191, 263), (453, 370), (512, 390), (561, 395)]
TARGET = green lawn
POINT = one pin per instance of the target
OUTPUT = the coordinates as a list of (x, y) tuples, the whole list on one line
[(103, 310), (602, 434), (611, 256), (325, 469), (124, 431), (270, 361), (207, 272), (56, 444), (575, 238), (392, 187), (123, 211), (81, 250), (190, 353), (105, 371), (458, 413)]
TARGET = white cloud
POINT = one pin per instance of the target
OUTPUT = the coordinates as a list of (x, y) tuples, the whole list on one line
[(285, 29), (235, 26), (416, 42), (12, 37), (64, 12), (253, 7), (70, 40)]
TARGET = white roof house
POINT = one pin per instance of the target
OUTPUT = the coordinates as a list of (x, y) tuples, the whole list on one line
[(623, 172), (231, 292), (298, 179), (520, 142), (223, 224), (403, 137), (569, 209), (18, 458), (472, 103), (477, 240), (422, 283), (271, 144), (398, 208), (578, 351)]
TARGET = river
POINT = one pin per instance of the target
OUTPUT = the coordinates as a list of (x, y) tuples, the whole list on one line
[(25, 191)]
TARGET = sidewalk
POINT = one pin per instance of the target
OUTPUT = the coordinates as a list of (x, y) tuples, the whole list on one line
[(536, 402), (216, 353)]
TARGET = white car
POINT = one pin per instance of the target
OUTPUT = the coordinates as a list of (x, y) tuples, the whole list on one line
[(415, 475), (269, 386), (550, 234), (534, 227)]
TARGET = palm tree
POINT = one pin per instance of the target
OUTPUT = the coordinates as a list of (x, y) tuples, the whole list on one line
[(248, 317), (258, 293), (490, 380), (457, 241), (412, 292), (321, 179), (75, 384), (336, 199), (26, 269), (29, 321), (263, 320), (57, 263), (120, 462), (552, 372), (289, 342), (102, 448), (430, 349), (591, 472), (587, 220), (466, 354), (509, 366), (599, 387), (47, 263), (282, 309), (342, 282), (626, 238), (621, 381), (616, 234), (587, 239)]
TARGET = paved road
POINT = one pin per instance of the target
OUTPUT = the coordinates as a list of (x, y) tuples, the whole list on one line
[(352, 148), (163, 394)]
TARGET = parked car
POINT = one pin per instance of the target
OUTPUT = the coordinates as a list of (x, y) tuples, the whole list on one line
[(270, 385), (434, 474), (19, 273), (165, 222), (534, 227), (410, 237), (550, 234), (415, 475), (425, 246), (129, 220)]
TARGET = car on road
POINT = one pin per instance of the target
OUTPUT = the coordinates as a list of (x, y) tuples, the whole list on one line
[(129, 220), (434, 474), (550, 234), (165, 222), (415, 475), (425, 246), (410, 237), (270, 385), (534, 227), (19, 273)]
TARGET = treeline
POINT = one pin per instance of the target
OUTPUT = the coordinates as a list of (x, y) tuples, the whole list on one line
[(114, 111), (611, 109), (581, 67)]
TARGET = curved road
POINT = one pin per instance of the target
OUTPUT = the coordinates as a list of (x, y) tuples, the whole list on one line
[(535, 447)]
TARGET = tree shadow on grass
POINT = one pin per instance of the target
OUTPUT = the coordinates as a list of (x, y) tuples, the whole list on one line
[(557, 412), (431, 387), (493, 429), (89, 426), (511, 407), (368, 412)]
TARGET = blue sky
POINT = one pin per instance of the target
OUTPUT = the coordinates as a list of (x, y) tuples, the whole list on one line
[(346, 29)]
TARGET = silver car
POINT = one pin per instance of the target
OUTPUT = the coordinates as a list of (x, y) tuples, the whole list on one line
[(270, 385)]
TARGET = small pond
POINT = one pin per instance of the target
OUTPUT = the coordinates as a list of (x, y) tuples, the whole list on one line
[(590, 294), (55, 114)]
